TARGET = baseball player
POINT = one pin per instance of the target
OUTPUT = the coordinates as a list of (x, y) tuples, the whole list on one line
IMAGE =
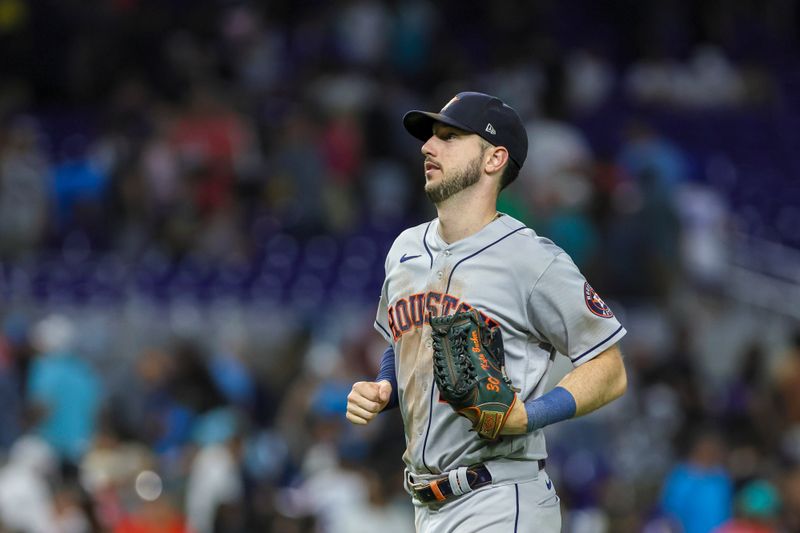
[(478, 464)]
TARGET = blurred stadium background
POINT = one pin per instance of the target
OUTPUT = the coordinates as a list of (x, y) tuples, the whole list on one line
[(195, 202)]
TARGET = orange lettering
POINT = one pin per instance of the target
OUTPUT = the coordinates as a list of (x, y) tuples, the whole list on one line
[(416, 310), (476, 342), (403, 317), (416, 303), (493, 384)]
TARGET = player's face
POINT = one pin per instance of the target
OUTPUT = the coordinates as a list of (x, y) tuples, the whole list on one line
[(453, 162)]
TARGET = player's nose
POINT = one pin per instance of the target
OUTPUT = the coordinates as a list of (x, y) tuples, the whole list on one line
[(429, 148)]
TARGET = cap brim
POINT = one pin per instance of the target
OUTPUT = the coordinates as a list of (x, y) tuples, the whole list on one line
[(420, 123)]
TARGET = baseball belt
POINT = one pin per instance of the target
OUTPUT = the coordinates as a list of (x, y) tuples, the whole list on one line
[(457, 482)]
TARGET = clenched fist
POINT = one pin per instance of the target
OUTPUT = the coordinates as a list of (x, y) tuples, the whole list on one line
[(366, 400)]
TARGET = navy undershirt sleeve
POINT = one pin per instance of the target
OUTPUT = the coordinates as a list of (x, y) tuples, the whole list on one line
[(387, 372)]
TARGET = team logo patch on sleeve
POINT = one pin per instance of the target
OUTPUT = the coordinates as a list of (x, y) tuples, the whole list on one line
[(596, 304)]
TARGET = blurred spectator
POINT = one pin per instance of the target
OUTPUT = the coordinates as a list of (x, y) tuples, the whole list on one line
[(256, 47), (321, 469), (757, 507), (109, 472), (176, 390), (28, 503), (413, 23), (64, 390), (232, 374), (698, 492), (786, 378), (748, 414), (215, 487), (161, 167), (555, 177), (790, 496), (157, 516), (342, 149), (646, 152), (708, 79), (24, 183), (387, 192), (378, 511), (705, 236), (144, 404), (560, 158), (642, 242), (11, 390), (71, 511), (362, 31), (294, 189), (213, 144), (79, 189), (591, 79)]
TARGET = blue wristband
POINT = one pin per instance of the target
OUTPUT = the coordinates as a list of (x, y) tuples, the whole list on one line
[(555, 406), (387, 372)]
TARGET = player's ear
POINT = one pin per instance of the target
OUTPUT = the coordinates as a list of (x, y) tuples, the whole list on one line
[(496, 158)]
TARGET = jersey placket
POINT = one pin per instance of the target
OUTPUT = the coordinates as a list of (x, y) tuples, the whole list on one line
[(437, 282)]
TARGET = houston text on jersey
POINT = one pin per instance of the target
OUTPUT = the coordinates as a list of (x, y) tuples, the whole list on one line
[(414, 311)]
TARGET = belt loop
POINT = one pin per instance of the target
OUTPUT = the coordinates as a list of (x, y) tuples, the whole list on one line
[(463, 480), (459, 483)]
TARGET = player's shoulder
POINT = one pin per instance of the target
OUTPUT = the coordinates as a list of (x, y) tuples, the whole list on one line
[(529, 243), (526, 252)]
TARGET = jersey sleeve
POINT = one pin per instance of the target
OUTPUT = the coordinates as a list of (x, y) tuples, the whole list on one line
[(382, 317), (567, 312)]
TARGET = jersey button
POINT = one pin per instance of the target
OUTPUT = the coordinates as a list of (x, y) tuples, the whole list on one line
[(439, 274), (428, 343), (447, 253)]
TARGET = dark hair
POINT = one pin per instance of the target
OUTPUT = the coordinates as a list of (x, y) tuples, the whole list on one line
[(510, 173)]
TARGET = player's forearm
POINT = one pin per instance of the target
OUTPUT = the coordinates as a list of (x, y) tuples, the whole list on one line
[(597, 382), (586, 388)]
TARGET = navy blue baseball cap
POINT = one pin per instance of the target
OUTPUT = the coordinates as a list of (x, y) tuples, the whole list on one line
[(478, 113)]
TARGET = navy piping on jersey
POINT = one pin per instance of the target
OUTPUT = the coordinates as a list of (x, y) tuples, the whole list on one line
[(479, 251), (516, 515), (428, 431), (587, 352), (384, 330), (425, 241)]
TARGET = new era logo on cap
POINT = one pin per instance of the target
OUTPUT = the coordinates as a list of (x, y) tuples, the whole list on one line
[(478, 113)]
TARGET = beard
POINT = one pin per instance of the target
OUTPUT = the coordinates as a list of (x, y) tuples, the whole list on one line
[(456, 182)]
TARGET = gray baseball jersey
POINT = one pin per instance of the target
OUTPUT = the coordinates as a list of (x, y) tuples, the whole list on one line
[(516, 279)]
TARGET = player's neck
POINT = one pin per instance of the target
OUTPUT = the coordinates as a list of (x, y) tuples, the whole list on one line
[(463, 215)]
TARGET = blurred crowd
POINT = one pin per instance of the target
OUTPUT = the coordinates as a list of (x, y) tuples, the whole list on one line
[(195, 199)]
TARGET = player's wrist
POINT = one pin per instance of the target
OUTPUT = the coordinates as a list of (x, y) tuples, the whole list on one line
[(387, 372), (517, 421), (554, 406)]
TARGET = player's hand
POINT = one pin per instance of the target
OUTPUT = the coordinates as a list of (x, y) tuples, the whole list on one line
[(366, 400)]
